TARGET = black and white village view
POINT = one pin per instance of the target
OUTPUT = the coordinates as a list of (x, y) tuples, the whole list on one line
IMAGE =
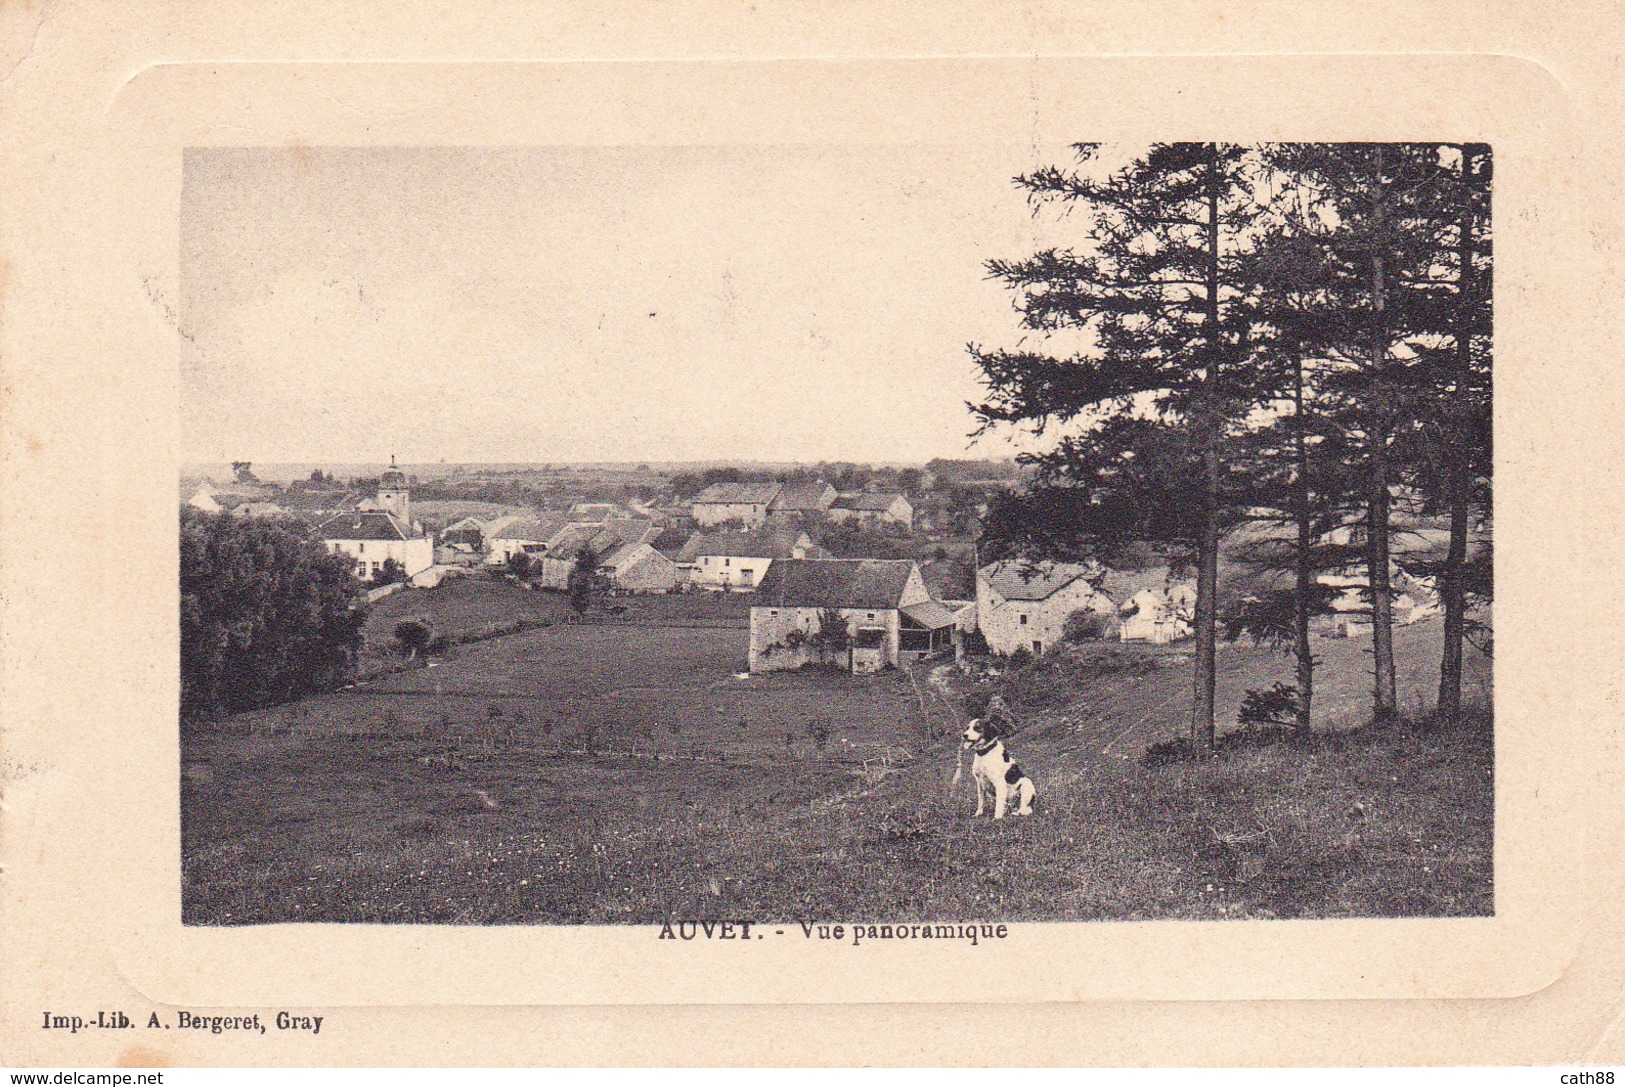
[(910, 534)]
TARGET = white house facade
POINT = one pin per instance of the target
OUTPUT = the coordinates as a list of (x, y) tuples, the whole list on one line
[(737, 561), (371, 537)]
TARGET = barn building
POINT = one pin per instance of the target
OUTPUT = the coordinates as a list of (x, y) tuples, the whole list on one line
[(746, 503), (877, 507), (888, 616)]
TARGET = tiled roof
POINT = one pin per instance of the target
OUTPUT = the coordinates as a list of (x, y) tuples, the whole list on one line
[(525, 529), (804, 496), (603, 539), (1019, 580), (833, 583), (306, 499), (624, 553), (634, 530), (495, 526), (764, 544), (573, 539), (365, 525), (930, 615), (868, 502), (1121, 586), (731, 494)]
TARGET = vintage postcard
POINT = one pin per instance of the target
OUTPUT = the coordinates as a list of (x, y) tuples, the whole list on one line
[(835, 536)]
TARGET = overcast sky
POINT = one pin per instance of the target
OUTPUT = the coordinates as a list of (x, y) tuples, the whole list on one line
[(556, 304)]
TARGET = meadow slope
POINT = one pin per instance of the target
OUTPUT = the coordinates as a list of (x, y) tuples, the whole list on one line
[(625, 773)]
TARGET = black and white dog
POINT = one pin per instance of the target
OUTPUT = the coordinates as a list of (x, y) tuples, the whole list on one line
[(991, 766)]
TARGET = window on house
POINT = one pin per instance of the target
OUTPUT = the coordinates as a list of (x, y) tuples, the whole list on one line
[(871, 615), (774, 614), (724, 562), (1038, 649), (1023, 618)]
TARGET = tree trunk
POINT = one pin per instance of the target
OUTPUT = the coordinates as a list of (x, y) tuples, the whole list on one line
[(1304, 564), (1207, 576), (1385, 701), (1459, 473), (1453, 598)]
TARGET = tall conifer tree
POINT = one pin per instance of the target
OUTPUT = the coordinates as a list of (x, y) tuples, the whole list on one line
[(1149, 405)]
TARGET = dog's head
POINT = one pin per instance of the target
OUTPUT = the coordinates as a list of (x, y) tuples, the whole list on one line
[(979, 732)]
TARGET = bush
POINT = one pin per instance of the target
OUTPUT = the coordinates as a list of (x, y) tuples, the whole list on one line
[(1276, 706), (389, 572), (1085, 625), (832, 632), (412, 638)]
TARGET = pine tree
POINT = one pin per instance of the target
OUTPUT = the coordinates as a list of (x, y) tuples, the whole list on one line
[(1376, 294), (1162, 386), (1455, 461)]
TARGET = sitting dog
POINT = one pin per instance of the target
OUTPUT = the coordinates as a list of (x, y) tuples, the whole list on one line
[(992, 766)]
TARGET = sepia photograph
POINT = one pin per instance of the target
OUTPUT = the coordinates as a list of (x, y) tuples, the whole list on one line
[(922, 536)]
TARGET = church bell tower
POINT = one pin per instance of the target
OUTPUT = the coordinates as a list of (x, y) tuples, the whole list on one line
[(395, 494)]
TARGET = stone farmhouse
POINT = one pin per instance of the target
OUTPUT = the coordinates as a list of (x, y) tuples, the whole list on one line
[(888, 616), (514, 534), (744, 502), (1024, 605), (873, 507), (737, 561), (636, 567), (1152, 605), (804, 500), (624, 551)]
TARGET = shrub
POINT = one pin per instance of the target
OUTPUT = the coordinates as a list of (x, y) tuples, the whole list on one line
[(1276, 706), (412, 638), (389, 572), (1085, 625), (819, 733), (832, 633)]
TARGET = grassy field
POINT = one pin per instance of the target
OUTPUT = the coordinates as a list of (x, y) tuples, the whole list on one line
[(1135, 696), (470, 608), (623, 772)]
